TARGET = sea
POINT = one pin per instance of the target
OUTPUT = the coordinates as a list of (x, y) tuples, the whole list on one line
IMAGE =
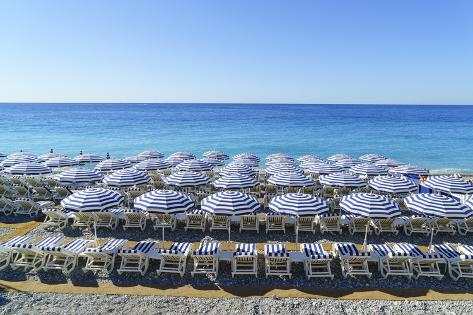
[(436, 137)]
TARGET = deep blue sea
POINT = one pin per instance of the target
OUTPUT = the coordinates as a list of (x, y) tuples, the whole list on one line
[(436, 137)]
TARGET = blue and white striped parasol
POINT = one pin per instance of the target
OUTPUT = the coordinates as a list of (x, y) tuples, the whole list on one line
[(93, 199), (372, 157), (60, 162), (290, 179), (230, 203), (449, 184), (309, 157), (174, 160), (280, 161), (235, 181), (126, 178), (182, 155), (237, 169), (342, 179), (324, 169), (48, 156), (194, 165), (247, 162), (3, 155), (247, 156), (388, 163), (135, 159), (213, 162), (409, 170), (370, 206), (78, 176), (111, 165), (436, 205), (88, 157), (23, 154), (186, 179), (299, 205), (368, 169), (164, 202), (393, 184), (151, 154), (277, 156), (28, 169), (152, 165), (218, 155), (347, 163), (339, 157), (12, 160), (469, 202), (279, 168)]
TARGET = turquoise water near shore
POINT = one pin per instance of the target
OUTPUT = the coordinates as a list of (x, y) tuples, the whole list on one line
[(436, 137)]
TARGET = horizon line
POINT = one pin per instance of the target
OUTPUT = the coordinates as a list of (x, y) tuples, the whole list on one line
[(231, 103)]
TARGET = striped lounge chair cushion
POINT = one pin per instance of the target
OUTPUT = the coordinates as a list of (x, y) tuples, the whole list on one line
[(142, 247), (45, 243), (196, 212), (207, 248), (275, 250), (415, 252), (117, 212), (468, 249), (176, 249), (384, 250), (446, 251), (13, 242), (316, 251), (110, 246), (76, 246), (245, 249), (349, 249)]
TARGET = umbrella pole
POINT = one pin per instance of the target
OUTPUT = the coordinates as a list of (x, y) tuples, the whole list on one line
[(431, 239), (229, 235), (163, 233), (365, 241)]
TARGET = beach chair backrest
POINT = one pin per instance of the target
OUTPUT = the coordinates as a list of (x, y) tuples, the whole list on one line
[(113, 244), (305, 220), (220, 219), (78, 245), (446, 250), (16, 240), (382, 249), (49, 242), (408, 248), (275, 250), (207, 248), (177, 249), (245, 249), (248, 219)]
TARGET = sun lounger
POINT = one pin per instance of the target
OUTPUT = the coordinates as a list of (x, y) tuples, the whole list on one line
[(164, 221), (423, 264), (275, 222), (306, 224), (195, 219), (83, 219), (64, 257), (416, 225), (206, 258), (443, 225), (6, 249), (29, 207), (277, 261), (358, 225), (219, 222), (103, 257), (6, 206), (384, 226), (465, 226), (135, 259), (55, 218), (391, 262), (173, 260), (330, 223), (106, 219), (249, 223), (30, 255), (354, 262), (245, 260), (134, 219), (459, 265), (317, 261)]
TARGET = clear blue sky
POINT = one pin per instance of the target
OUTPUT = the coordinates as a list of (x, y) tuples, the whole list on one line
[(353, 51)]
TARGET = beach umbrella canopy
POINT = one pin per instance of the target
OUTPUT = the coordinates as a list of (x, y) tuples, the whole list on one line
[(174, 160), (339, 157), (372, 157), (88, 157), (152, 165), (436, 205), (194, 165), (186, 179), (278, 156), (370, 206), (388, 163), (342, 180), (230, 203), (151, 154), (3, 155), (347, 163), (217, 155), (126, 178), (48, 156), (247, 162), (182, 155), (135, 159), (12, 160), (235, 181), (393, 184), (28, 169), (309, 157), (279, 168), (164, 202), (324, 168), (280, 161), (289, 179), (21, 153), (299, 205), (237, 169), (213, 162), (469, 202), (92, 199), (368, 169), (409, 170), (60, 162), (111, 165), (78, 176), (247, 156), (449, 184)]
